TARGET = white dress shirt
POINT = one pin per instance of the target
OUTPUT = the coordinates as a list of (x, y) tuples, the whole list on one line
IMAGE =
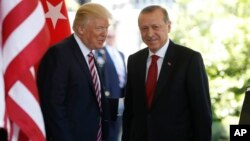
[(161, 53)]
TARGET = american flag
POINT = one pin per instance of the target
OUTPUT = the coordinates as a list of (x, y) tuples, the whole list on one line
[(28, 28)]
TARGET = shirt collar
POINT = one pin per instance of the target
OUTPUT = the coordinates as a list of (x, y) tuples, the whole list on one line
[(83, 47)]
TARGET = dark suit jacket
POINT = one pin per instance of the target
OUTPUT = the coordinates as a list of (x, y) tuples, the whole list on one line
[(181, 108), (245, 111), (3, 135), (111, 80), (68, 101)]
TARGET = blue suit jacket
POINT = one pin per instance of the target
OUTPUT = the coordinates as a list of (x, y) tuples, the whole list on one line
[(68, 101), (111, 80)]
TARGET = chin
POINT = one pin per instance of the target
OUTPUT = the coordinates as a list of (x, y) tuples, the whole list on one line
[(154, 49), (99, 47)]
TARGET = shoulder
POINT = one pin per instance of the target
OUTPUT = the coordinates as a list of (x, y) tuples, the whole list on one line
[(63, 46), (138, 58), (60, 50), (182, 51), (140, 54)]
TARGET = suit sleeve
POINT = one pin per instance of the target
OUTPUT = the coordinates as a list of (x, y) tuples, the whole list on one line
[(52, 85), (128, 113), (198, 90), (245, 111)]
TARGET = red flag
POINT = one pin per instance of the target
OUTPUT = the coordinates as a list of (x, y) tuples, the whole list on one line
[(24, 39), (57, 19), (2, 94)]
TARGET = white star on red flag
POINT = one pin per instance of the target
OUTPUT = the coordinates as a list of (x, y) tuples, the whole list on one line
[(54, 13), (20, 111), (57, 20)]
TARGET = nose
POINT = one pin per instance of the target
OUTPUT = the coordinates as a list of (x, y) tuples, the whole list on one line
[(103, 33), (150, 33)]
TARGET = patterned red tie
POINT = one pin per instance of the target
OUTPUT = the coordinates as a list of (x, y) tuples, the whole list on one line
[(151, 79), (97, 86)]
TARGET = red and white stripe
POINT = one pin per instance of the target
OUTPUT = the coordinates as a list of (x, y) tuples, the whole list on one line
[(95, 79), (2, 93), (25, 38), (97, 86)]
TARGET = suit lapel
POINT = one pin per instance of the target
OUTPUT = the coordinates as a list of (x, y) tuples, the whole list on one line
[(141, 78), (166, 70), (81, 60)]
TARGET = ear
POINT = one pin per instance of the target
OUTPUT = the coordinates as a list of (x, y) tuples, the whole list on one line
[(80, 29), (169, 26)]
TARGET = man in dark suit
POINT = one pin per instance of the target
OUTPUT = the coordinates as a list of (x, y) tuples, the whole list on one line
[(113, 71), (175, 104), (73, 104)]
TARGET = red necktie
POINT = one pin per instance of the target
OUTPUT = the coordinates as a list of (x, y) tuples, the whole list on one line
[(151, 79), (97, 85)]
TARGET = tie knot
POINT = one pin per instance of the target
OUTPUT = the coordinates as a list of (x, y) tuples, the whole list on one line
[(154, 58), (91, 54)]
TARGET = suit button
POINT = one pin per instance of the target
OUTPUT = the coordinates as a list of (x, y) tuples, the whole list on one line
[(107, 93)]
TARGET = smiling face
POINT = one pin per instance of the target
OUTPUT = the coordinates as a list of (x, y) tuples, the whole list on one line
[(91, 24), (93, 34), (154, 30)]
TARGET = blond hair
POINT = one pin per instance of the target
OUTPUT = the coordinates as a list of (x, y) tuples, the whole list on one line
[(88, 10)]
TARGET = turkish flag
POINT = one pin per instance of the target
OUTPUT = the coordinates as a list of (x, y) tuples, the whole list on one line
[(57, 19)]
